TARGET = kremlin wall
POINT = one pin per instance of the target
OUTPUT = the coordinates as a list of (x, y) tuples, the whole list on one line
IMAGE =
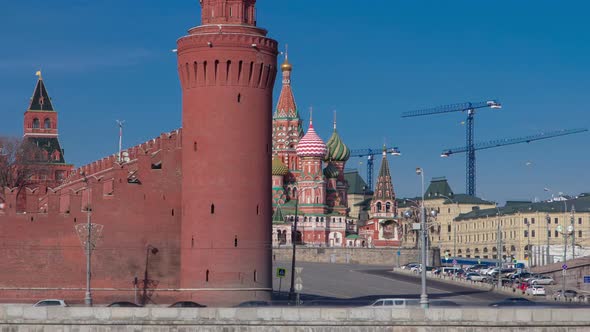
[(172, 219)]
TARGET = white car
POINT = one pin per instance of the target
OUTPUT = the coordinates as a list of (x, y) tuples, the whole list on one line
[(389, 303), (476, 277), (51, 303), (542, 280), (536, 290)]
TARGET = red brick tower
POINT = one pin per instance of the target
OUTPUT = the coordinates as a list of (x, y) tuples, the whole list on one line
[(40, 130), (227, 68)]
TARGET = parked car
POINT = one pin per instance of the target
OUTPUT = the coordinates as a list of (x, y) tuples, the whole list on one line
[(123, 304), (475, 276), (520, 276), (51, 303), (569, 294), (409, 266), (187, 304), (536, 290), (542, 280)]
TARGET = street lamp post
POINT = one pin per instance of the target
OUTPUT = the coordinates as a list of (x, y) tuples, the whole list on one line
[(294, 242), (566, 233), (154, 251), (572, 218), (423, 234), (88, 294), (548, 219)]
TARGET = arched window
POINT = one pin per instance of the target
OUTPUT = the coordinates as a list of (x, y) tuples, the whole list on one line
[(294, 192), (388, 207), (47, 124), (379, 207), (36, 123)]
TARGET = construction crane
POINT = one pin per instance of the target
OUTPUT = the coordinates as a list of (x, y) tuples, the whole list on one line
[(470, 146), (511, 141), (370, 153)]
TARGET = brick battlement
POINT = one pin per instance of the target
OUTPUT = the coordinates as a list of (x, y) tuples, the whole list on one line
[(101, 175)]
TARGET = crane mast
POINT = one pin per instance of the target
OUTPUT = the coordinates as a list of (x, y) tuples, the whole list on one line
[(370, 154)]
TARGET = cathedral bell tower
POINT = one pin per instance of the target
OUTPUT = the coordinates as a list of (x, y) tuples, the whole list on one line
[(227, 68)]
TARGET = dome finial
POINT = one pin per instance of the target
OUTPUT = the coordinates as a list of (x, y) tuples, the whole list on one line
[(286, 66), (334, 120), (311, 116)]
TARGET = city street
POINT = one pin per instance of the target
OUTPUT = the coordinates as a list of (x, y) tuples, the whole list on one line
[(360, 284)]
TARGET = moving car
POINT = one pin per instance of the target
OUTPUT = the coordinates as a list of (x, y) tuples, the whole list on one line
[(513, 302), (187, 304), (569, 294), (536, 290), (542, 280), (51, 303), (409, 266), (123, 304), (395, 303)]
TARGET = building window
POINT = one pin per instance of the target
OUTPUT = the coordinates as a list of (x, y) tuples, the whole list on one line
[(379, 207), (556, 221), (526, 221), (579, 233), (449, 228), (556, 234), (36, 123), (533, 233), (47, 124), (526, 233), (579, 221), (533, 221)]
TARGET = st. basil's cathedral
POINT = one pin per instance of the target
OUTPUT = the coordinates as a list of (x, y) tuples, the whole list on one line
[(308, 185)]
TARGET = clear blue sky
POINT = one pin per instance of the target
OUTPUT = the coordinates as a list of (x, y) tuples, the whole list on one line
[(370, 60)]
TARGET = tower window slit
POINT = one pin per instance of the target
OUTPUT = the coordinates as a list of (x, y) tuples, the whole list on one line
[(195, 66), (195, 146), (192, 242), (240, 65), (258, 210), (173, 212), (260, 74), (255, 276), (236, 241), (205, 71), (212, 208), (188, 76), (251, 72), (228, 70), (216, 69), (207, 276), (239, 97), (267, 76)]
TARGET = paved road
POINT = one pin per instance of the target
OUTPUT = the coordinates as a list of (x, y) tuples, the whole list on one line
[(361, 284)]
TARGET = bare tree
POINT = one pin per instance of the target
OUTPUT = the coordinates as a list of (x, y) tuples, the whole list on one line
[(20, 160)]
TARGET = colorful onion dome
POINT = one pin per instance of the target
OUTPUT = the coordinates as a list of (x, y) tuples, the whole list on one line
[(337, 150), (331, 171), (311, 145), (278, 168)]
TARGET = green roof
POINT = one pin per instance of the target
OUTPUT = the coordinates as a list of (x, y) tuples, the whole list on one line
[(356, 184), (581, 204), (352, 236), (438, 186), (277, 217)]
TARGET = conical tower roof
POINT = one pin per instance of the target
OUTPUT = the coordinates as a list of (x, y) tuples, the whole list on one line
[(384, 186), (286, 107), (40, 100)]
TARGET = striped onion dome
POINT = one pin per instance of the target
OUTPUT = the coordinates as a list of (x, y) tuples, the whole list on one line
[(311, 145), (278, 168), (337, 150), (331, 172)]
